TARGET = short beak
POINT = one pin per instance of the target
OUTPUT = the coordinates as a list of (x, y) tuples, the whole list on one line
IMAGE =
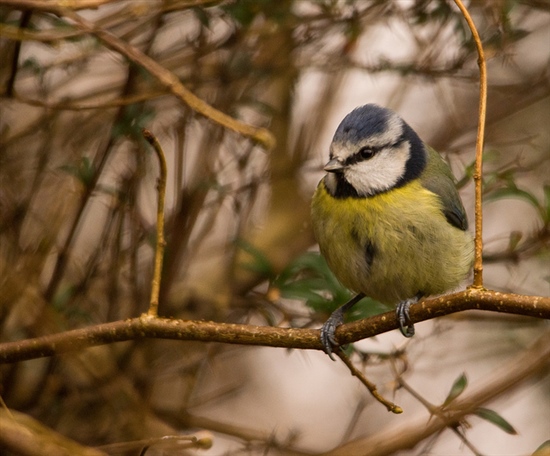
[(334, 166)]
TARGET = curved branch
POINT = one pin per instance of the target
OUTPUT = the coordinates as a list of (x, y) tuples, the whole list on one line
[(161, 243), (478, 259), (207, 331), (169, 80)]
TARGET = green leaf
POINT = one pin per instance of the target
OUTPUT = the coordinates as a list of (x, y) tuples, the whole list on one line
[(302, 289), (84, 172), (259, 263), (32, 65), (311, 264), (493, 417), (201, 15), (457, 389), (365, 308), (468, 174), (132, 121), (242, 12), (511, 191), (62, 297), (515, 238), (547, 203), (309, 278)]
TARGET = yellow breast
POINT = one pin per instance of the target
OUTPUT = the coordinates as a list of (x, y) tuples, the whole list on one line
[(391, 246)]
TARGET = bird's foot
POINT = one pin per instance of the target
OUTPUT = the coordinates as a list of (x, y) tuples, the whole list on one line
[(327, 331), (328, 340), (402, 312)]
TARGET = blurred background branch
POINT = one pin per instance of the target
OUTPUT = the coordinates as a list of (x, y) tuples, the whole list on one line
[(77, 209)]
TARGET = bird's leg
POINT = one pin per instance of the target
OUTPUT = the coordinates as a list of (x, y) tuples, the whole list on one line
[(335, 320), (402, 314)]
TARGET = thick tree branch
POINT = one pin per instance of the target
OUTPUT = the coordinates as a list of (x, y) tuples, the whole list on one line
[(204, 331)]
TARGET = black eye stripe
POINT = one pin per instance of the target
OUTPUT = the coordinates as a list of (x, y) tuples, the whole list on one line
[(365, 153), (368, 152)]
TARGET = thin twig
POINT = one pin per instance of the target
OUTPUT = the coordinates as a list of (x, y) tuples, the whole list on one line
[(478, 262), (202, 440), (407, 435), (462, 436), (403, 384), (159, 249), (438, 412), (370, 386)]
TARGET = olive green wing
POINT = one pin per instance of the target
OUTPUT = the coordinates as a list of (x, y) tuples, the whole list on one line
[(438, 178)]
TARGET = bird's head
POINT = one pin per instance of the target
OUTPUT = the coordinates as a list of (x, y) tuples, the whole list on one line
[(373, 151)]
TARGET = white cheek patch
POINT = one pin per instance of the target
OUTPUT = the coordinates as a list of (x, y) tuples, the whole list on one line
[(381, 172), (392, 131)]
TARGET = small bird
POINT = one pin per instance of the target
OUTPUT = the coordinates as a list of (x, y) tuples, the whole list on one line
[(388, 218)]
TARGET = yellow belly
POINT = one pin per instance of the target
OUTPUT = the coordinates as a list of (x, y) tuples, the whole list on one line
[(413, 249)]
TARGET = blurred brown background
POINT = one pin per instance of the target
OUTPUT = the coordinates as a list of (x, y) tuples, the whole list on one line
[(78, 202)]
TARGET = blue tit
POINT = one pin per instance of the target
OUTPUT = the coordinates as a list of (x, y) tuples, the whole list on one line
[(387, 217)]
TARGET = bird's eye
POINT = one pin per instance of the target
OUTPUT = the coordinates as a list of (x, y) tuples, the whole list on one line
[(366, 153)]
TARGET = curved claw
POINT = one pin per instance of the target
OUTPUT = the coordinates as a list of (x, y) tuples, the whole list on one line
[(327, 331), (402, 313), (336, 319)]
